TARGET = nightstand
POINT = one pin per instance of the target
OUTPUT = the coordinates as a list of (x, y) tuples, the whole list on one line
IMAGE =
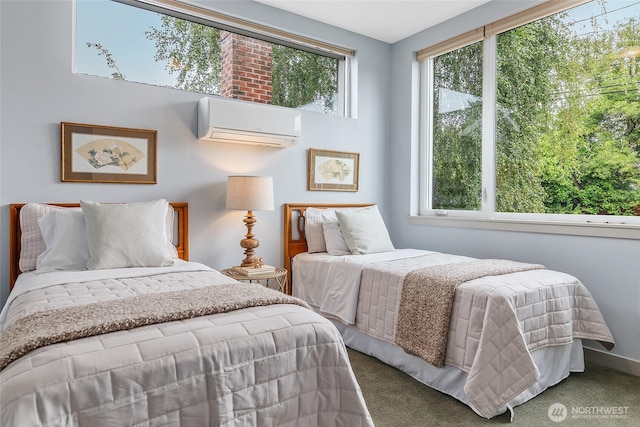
[(279, 276)]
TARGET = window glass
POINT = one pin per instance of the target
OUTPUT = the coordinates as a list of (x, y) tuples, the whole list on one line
[(457, 129), (568, 137), (565, 128), (153, 48)]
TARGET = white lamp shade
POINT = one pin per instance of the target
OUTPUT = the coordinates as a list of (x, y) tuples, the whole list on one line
[(250, 193)]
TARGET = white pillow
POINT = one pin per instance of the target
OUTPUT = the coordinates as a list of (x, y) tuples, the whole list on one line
[(313, 219), (65, 237), (364, 230), (31, 241), (336, 245), (127, 234)]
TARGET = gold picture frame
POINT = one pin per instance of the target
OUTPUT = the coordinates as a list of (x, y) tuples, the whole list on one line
[(333, 170), (94, 153)]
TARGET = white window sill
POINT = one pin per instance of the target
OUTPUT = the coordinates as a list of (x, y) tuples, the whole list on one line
[(618, 231)]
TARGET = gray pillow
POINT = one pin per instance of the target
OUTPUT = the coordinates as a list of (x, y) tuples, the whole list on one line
[(336, 245), (65, 237), (313, 220), (127, 234)]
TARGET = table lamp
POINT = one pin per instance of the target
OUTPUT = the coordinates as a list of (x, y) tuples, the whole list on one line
[(250, 193)]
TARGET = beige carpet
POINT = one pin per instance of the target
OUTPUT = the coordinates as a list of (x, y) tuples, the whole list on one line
[(397, 400)]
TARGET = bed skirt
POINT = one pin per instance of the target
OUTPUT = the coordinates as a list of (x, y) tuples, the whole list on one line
[(552, 362)]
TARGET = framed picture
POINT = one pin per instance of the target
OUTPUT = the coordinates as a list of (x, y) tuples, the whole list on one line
[(92, 153), (333, 170)]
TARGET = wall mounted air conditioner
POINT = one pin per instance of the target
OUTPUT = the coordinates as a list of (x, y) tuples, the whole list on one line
[(242, 122)]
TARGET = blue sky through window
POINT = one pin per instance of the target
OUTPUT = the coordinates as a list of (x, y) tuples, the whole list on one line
[(121, 30)]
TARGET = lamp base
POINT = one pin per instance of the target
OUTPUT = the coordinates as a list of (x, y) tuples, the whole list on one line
[(249, 260), (249, 243)]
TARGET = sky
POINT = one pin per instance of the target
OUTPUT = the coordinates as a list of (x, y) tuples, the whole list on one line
[(617, 10), (120, 29)]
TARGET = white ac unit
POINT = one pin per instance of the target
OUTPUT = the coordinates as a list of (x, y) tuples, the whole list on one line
[(242, 122)]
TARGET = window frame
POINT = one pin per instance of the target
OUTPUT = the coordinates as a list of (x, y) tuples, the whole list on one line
[(627, 227)]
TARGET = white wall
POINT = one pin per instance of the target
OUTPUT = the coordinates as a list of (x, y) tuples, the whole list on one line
[(38, 91), (610, 268)]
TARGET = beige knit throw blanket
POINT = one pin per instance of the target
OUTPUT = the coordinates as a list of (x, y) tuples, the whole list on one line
[(55, 326), (427, 300)]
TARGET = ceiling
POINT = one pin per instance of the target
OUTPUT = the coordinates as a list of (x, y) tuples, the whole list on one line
[(385, 20)]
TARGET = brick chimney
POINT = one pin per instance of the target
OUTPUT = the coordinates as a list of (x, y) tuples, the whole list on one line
[(246, 68)]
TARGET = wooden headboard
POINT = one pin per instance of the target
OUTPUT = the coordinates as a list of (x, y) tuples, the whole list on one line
[(181, 219), (295, 241)]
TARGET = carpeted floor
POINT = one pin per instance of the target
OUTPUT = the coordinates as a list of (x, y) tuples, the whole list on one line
[(396, 400)]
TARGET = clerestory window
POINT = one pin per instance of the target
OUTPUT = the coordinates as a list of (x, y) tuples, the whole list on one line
[(177, 45), (536, 117)]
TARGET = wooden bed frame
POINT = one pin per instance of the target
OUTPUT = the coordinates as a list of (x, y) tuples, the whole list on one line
[(295, 241), (181, 219)]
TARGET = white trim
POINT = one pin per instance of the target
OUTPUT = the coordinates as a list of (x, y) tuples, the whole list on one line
[(613, 361), (426, 135), (618, 231), (489, 101), (344, 76)]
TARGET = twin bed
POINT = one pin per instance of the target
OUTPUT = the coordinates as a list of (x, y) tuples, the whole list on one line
[(145, 337), (491, 333)]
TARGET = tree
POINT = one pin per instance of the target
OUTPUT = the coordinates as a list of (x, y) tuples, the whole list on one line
[(193, 51), (457, 129), (301, 78), (567, 121), (526, 59), (111, 62), (590, 162), (526, 55)]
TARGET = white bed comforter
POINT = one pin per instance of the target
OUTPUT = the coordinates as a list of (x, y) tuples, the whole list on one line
[(495, 323), (275, 365)]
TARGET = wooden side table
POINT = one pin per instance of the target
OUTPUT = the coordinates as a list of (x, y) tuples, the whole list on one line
[(279, 276)]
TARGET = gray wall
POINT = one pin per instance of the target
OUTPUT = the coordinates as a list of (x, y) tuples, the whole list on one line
[(38, 91), (610, 268)]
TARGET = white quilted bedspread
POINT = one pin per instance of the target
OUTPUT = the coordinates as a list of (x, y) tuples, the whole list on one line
[(495, 323), (279, 365)]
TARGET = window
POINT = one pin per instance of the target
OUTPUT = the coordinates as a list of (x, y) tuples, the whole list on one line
[(536, 120), (457, 129), (197, 50)]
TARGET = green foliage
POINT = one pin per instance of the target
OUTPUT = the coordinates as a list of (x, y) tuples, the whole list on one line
[(567, 122), (526, 57), (301, 78), (590, 160), (457, 150), (192, 51)]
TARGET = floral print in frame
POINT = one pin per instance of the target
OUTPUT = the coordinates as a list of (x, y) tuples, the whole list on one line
[(333, 170), (94, 153)]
